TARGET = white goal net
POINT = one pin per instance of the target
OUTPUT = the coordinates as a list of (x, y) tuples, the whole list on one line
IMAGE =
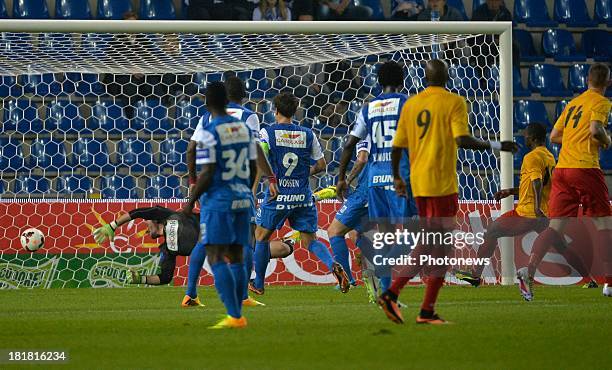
[(95, 124)]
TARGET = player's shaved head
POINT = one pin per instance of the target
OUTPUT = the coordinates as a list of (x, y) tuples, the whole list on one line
[(216, 96), (235, 89), (436, 73), (536, 132), (390, 74), (286, 104), (599, 76)]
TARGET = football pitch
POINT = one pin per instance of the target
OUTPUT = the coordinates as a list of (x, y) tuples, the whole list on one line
[(311, 328)]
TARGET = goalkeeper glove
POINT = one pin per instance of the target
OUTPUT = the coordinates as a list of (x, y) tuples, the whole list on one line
[(133, 277), (105, 232)]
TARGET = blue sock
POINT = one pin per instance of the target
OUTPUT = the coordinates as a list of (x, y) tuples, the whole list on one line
[(196, 261), (239, 272), (248, 268), (385, 282), (320, 250), (262, 257), (341, 254), (226, 287)]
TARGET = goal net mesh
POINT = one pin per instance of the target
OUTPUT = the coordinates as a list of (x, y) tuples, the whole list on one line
[(94, 125)]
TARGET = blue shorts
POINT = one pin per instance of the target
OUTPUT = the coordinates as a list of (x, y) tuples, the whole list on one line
[(225, 228), (385, 205), (303, 219), (354, 211)]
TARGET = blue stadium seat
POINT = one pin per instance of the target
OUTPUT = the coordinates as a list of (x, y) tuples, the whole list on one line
[(533, 12), (517, 83), (414, 81), (493, 184), (577, 79), (201, 79), (42, 84), (85, 84), (157, 9), (136, 155), (11, 155), (605, 159), (184, 8), (118, 187), (559, 107), (353, 111), (162, 187), (113, 9), (109, 117), (3, 12), (485, 115), (518, 156), (479, 160), (72, 9), (91, 154), (597, 44), (74, 184), (546, 79), (603, 11), (30, 9), (477, 3), (22, 115), (64, 115), (31, 184), (152, 116), (560, 44), (188, 113), (257, 84), (528, 111), (172, 153), (458, 4), (9, 87), (524, 39), (464, 80), (367, 73), (574, 13), (335, 148), (266, 109), (469, 187), (47, 154)]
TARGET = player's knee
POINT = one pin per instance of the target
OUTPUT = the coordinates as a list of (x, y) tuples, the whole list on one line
[(164, 278), (284, 250), (262, 234), (336, 228), (234, 254)]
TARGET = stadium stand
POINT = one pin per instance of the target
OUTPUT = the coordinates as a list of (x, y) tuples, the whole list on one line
[(113, 9), (30, 9), (72, 9), (573, 13)]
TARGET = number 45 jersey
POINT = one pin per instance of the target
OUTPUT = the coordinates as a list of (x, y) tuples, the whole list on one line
[(291, 151)]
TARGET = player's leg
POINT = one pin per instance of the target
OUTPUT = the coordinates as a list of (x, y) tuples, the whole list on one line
[(268, 220), (336, 232), (235, 256), (281, 248), (196, 262)]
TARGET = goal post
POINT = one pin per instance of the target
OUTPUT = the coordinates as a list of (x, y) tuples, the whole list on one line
[(83, 94)]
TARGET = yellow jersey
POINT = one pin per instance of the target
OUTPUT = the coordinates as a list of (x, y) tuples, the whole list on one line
[(537, 164), (428, 125), (579, 149)]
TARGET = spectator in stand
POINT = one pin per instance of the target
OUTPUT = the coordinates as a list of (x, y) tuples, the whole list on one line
[(447, 13), (492, 10), (238, 10), (272, 10), (303, 10), (406, 10), (345, 10)]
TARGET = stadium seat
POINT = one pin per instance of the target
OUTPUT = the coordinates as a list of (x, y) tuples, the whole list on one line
[(113, 9), (414, 81), (72, 9), (533, 12), (109, 117), (267, 111), (30, 9), (546, 79), (492, 185), (118, 187), (64, 115), (85, 84), (258, 84), (3, 12), (41, 84), (152, 116), (458, 4), (573, 13), (11, 155), (162, 187), (21, 115), (528, 111), (559, 107), (48, 155), (136, 155), (157, 9), (464, 80), (91, 154), (524, 39), (73, 184), (517, 83), (172, 153), (559, 44), (9, 87), (31, 184), (603, 11), (367, 73), (353, 111), (485, 115), (201, 79), (477, 3), (577, 79), (605, 159), (518, 156), (597, 44), (469, 187), (188, 113)]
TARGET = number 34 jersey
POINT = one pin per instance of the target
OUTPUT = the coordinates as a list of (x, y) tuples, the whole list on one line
[(378, 118), (292, 149), (228, 143)]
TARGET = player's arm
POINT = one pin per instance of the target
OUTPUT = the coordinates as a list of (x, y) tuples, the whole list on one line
[(316, 154), (598, 132), (107, 231), (556, 136), (205, 156), (504, 193), (263, 150), (400, 145), (360, 162), (191, 165), (537, 186), (359, 132)]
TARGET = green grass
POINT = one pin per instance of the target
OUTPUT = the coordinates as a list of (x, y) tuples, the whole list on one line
[(312, 328)]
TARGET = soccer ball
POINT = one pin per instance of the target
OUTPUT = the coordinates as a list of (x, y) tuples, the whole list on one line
[(32, 240)]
